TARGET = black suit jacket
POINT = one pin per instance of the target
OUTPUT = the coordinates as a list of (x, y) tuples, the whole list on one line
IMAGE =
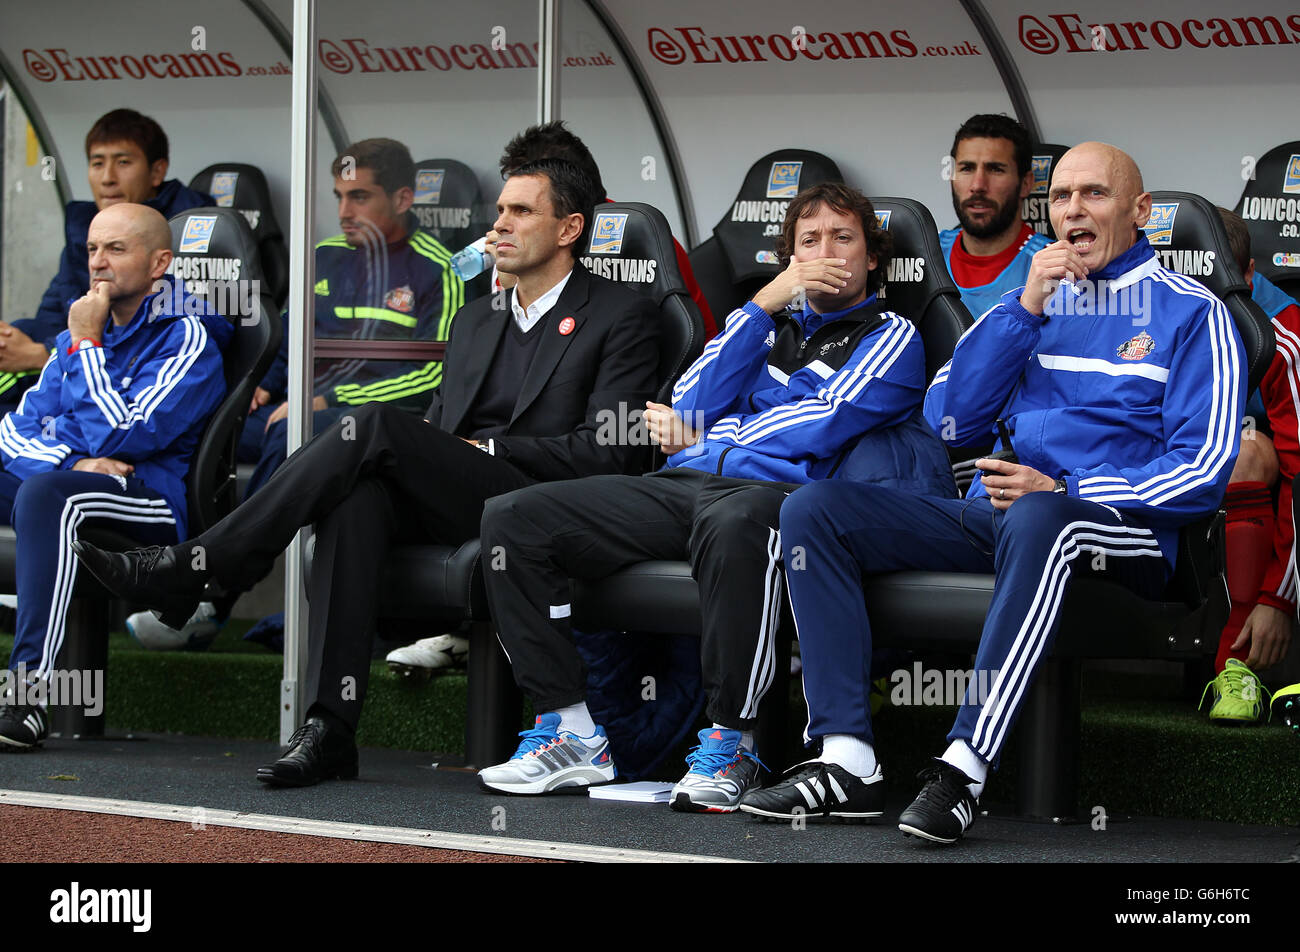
[(597, 374)]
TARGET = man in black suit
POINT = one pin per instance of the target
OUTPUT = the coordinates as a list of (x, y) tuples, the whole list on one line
[(527, 376)]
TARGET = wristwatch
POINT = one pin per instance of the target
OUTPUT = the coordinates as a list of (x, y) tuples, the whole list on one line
[(1061, 487)]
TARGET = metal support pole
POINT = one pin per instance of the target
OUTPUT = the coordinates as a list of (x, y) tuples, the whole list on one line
[(548, 61), (302, 193)]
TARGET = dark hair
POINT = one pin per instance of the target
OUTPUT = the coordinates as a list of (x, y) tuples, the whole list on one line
[(390, 161), (127, 125), (989, 126), (572, 192), (551, 140), (1238, 237), (849, 201)]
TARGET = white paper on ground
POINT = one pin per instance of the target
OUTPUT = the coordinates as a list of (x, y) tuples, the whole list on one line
[(643, 791)]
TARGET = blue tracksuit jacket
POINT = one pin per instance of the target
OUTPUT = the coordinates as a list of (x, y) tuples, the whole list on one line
[(144, 397), (784, 398), (1131, 386)]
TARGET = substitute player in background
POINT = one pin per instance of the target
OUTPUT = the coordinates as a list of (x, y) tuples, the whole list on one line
[(992, 175), (1261, 561)]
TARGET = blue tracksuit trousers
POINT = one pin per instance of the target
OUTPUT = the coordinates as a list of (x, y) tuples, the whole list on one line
[(847, 530), (48, 511)]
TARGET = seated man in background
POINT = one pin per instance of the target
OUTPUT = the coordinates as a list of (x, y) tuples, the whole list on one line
[(1261, 559), (992, 175), (104, 438), (383, 278), (550, 140), (522, 400), (127, 159), (778, 399), (1121, 384)]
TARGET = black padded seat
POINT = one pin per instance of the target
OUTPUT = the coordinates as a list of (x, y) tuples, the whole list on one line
[(1188, 235), (449, 202), (918, 285), (739, 259), (660, 595), (440, 583), (1270, 206), (1034, 209), (631, 242), (243, 187), (213, 481)]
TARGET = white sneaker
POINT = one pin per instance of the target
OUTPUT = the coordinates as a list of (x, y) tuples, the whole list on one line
[(428, 655), (548, 760), (198, 633)]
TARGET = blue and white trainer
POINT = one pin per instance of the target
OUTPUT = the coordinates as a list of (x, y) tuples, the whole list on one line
[(549, 759), (721, 772)]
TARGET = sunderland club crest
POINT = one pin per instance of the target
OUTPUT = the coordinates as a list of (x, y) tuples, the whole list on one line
[(1135, 348), (400, 299)]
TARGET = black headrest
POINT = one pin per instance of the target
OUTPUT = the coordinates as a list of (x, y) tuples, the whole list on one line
[(1189, 237), (243, 188), (918, 285), (1270, 206), (632, 243), (1034, 208), (215, 255), (753, 222), (448, 202)]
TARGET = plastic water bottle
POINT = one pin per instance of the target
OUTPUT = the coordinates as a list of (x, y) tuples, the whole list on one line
[(471, 261)]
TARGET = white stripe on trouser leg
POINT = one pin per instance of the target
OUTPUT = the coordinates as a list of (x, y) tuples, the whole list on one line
[(1012, 679), (763, 667), (77, 509), (803, 682), (1125, 542)]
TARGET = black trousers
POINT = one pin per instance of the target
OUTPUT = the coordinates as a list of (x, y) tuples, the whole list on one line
[(378, 477), (589, 528)]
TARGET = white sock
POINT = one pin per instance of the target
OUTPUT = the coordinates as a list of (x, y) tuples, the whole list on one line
[(968, 762), (852, 753), (746, 737), (576, 719)]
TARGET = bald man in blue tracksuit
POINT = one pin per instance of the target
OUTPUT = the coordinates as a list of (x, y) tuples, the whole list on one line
[(1122, 391), (106, 435)]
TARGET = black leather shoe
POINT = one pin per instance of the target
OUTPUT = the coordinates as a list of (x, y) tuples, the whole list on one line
[(151, 576), (316, 752)]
